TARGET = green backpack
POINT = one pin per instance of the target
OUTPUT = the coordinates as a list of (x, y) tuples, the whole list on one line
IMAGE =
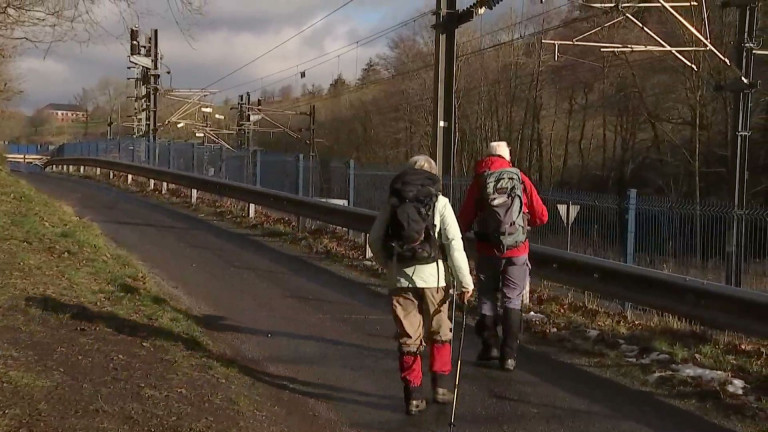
[(501, 220)]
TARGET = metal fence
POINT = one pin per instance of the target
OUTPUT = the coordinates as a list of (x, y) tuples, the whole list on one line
[(291, 173), (655, 232)]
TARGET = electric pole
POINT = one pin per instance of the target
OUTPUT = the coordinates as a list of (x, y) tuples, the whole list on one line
[(240, 130), (154, 90), (743, 87), (145, 60), (447, 21), (248, 133), (445, 86), (312, 150)]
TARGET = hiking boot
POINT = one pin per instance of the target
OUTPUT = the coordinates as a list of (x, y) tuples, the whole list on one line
[(488, 353), (486, 330), (414, 400), (443, 396), (508, 365), (512, 325), (416, 406), (441, 385)]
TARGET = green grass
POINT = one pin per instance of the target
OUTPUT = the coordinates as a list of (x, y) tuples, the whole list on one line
[(48, 242), (71, 301)]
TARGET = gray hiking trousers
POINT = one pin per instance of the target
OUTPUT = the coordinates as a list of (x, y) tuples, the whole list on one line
[(508, 275)]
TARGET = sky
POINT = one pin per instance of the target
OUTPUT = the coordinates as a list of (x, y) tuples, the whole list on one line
[(229, 34)]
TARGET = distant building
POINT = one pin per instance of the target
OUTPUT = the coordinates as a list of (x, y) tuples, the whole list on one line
[(66, 113)]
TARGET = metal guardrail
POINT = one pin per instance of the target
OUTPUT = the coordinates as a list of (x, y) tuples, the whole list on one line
[(26, 158), (711, 304)]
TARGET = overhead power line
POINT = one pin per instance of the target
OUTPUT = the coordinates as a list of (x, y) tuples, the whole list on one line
[(430, 63), (349, 47), (262, 55)]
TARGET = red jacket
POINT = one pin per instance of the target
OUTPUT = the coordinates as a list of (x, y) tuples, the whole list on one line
[(532, 206)]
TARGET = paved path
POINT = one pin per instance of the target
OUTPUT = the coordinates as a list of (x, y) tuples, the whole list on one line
[(324, 343)]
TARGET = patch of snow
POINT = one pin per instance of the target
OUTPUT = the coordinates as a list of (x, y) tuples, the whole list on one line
[(592, 334), (654, 376), (732, 385), (693, 371), (736, 386), (535, 317), (656, 357), (629, 350)]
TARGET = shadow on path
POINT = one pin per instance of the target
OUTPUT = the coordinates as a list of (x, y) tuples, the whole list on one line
[(131, 328)]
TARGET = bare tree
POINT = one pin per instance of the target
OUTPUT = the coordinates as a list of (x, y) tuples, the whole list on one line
[(51, 21), (285, 92), (48, 22), (40, 120)]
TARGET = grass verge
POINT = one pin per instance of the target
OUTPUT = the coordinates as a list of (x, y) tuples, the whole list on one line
[(87, 341)]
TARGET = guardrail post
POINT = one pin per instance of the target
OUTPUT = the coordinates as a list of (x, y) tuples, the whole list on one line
[(629, 236), (151, 184), (98, 171), (82, 169), (194, 158), (193, 194), (258, 167), (111, 175), (130, 179), (222, 171), (251, 211), (300, 175), (299, 187), (351, 180), (368, 253), (164, 188)]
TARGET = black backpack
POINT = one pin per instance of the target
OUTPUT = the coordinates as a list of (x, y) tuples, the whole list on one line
[(410, 237)]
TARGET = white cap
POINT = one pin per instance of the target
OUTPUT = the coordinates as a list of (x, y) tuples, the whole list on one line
[(500, 148)]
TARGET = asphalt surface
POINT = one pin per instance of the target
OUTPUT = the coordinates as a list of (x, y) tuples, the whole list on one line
[(324, 343)]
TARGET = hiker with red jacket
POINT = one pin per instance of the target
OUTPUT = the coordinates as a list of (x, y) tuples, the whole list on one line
[(503, 204)]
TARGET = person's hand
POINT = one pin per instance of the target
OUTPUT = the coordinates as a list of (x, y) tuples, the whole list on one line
[(464, 296)]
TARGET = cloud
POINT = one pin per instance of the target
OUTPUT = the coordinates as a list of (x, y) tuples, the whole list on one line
[(231, 33)]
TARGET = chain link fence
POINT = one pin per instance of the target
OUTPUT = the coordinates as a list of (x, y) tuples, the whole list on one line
[(655, 232)]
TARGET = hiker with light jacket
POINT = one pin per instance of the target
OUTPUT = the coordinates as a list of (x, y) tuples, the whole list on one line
[(412, 237), (503, 204)]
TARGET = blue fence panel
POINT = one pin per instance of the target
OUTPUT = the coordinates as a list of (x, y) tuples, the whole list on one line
[(279, 171), (669, 234)]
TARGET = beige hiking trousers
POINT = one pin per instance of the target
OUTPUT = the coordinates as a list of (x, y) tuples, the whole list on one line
[(415, 309)]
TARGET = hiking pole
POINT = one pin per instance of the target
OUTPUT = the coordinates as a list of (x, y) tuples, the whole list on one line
[(458, 368), (453, 313), (450, 283)]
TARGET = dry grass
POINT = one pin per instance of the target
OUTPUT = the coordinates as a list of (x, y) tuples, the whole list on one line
[(687, 343)]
